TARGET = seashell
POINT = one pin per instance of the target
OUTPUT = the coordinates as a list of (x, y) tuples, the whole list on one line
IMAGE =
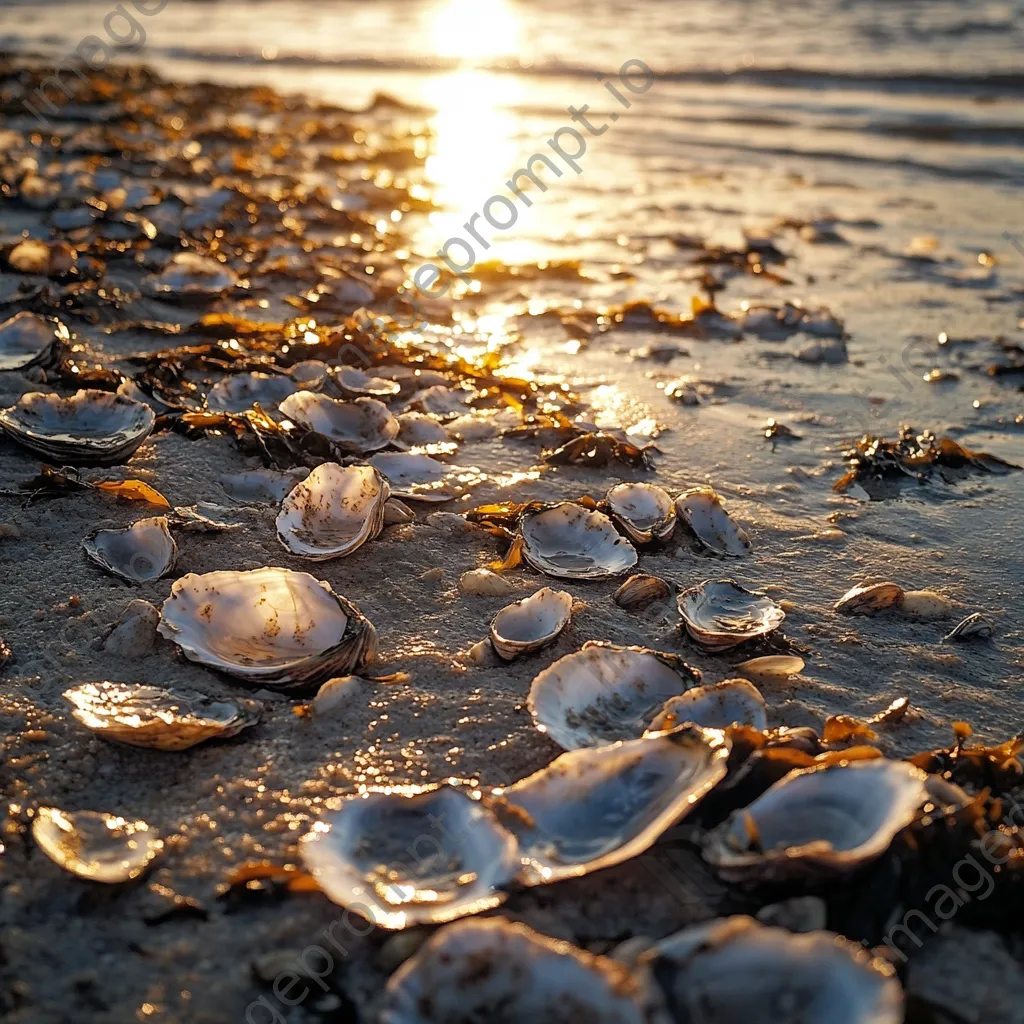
[(338, 693), (774, 667), (90, 426), (640, 591), (269, 627), (644, 511), (189, 518), (926, 605), (411, 856), (867, 599), (484, 583), (356, 428), (416, 430), (31, 256), (440, 400), (731, 702), (734, 969), (572, 542), (530, 624), (309, 373), (493, 970), (28, 340), (140, 553), (333, 511), (827, 351), (263, 486), (720, 614), (822, 821), (413, 477), (604, 693), (134, 633), (151, 716), (592, 808), (190, 276), (96, 846), (243, 390), (701, 510), (975, 625), (354, 383), (397, 512)]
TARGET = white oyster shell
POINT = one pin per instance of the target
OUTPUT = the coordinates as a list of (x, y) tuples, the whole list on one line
[(592, 808), (701, 509), (504, 973), (825, 820), (573, 542), (189, 275), (411, 856), (532, 623), (645, 511), (142, 552), (605, 693), (90, 426), (353, 382), (731, 702), (720, 614), (242, 390), (269, 627), (262, 486), (414, 477), (356, 428), (29, 340), (333, 512)]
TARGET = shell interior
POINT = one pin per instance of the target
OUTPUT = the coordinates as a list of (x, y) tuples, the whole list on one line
[(143, 551), (415, 477), (353, 381), (532, 623), (240, 392), (189, 275), (572, 542), (701, 509), (731, 702), (720, 614), (28, 340), (357, 427), (262, 486), (645, 511)]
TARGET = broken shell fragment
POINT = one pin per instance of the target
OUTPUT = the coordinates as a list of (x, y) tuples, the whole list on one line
[(333, 512), (263, 486), (645, 511), (397, 513), (269, 627), (572, 542), (493, 970), (731, 702), (532, 623), (484, 583), (190, 276), (162, 719), (339, 693), (142, 552), (926, 605), (414, 477), (592, 808), (821, 821), (98, 847), (975, 625), (640, 591), (28, 340), (772, 666), (870, 598), (734, 969), (354, 383), (604, 693), (358, 427), (720, 614), (90, 426), (701, 510), (243, 390), (360, 856)]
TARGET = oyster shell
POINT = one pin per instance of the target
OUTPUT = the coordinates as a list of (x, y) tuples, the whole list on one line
[(772, 666), (90, 426), (701, 509), (411, 856), (333, 511), (572, 542), (356, 428), (241, 391), (190, 276), (263, 486), (151, 716), (29, 340), (142, 552), (975, 625), (532, 623), (640, 591), (417, 430), (605, 693), (353, 383), (734, 969), (413, 477), (592, 808), (269, 627), (869, 598), (99, 847), (504, 973), (825, 820), (720, 614), (731, 702), (645, 511)]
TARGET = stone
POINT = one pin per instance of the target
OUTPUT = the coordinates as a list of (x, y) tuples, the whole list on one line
[(134, 633)]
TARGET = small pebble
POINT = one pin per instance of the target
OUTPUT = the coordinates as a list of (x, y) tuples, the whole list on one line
[(480, 653), (449, 523), (484, 583), (134, 633), (338, 693), (8, 531)]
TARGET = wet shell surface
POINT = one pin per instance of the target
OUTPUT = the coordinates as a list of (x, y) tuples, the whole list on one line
[(825, 820), (590, 809), (143, 551), (354, 383), (96, 846), (243, 390), (28, 340), (333, 512), (269, 627), (411, 856), (152, 716), (731, 702), (605, 693), (190, 276), (572, 542), (720, 614), (505, 973), (701, 510), (414, 477), (531, 624), (870, 598), (734, 969), (358, 427), (90, 426), (645, 511)]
